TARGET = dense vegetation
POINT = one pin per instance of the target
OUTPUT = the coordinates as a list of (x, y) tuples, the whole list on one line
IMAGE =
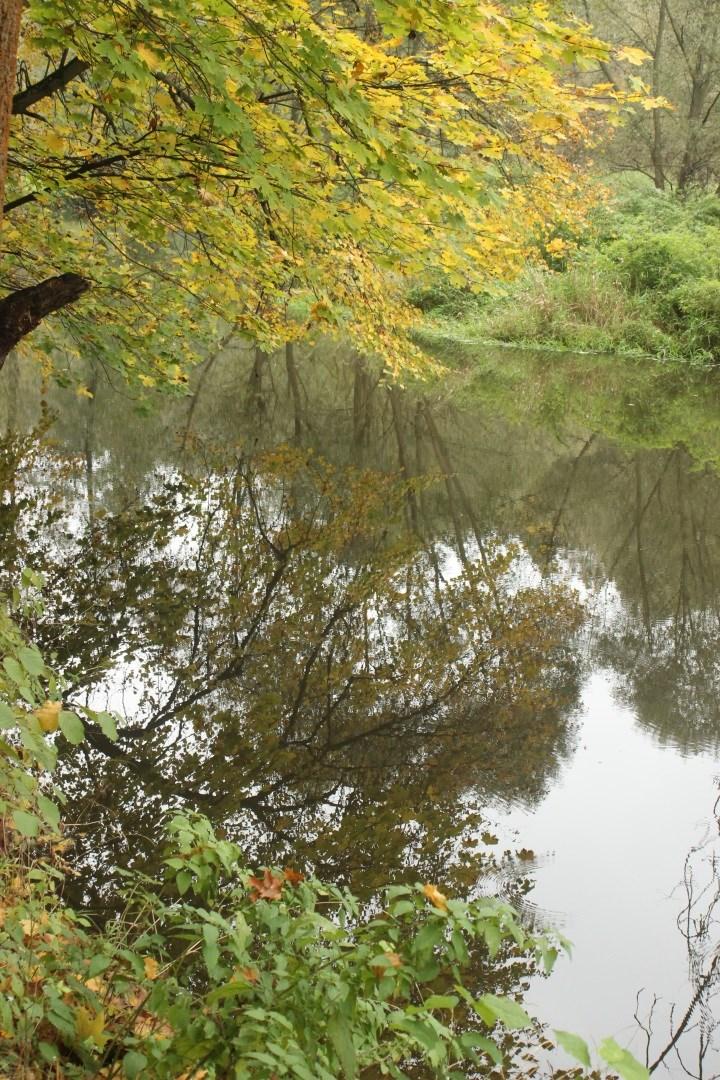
[(644, 280), (183, 169)]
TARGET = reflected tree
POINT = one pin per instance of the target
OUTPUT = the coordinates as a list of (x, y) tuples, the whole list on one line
[(291, 661)]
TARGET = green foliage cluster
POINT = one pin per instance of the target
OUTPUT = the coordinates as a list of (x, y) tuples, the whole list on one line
[(646, 280)]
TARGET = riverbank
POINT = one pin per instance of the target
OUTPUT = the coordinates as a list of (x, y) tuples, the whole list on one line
[(644, 281)]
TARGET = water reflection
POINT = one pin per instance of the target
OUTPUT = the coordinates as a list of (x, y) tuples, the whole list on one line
[(290, 661), (340, 617)]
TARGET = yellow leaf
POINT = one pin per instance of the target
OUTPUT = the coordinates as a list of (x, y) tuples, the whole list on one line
[(89, 1026), (546, 122), (147, 56), (54, 142), (48, 715), (438, 899), (632, 55), (151, 967)]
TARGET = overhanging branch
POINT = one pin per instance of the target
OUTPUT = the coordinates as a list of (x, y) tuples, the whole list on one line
[(21, 311), (51, 84)]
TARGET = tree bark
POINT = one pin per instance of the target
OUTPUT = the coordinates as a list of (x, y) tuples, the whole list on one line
[(23, 310), (10, 12)]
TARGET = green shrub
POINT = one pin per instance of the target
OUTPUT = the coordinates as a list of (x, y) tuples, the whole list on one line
[(660, 262)]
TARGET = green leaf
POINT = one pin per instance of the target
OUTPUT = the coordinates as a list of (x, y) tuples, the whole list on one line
[(48, 1051), (133, 1064), (7, 716), (98, 964), (49, 811), (183, 881), (474, 1040), (340, 1035), (574, 1046), (441, 1001), (622, 1061), (106, 722), (72, 727), (506, 1011), (14, 670), (31, 660), (26, 824), (211, 952)]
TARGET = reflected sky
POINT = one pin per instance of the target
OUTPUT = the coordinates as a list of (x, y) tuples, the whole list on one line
[(611, 837)]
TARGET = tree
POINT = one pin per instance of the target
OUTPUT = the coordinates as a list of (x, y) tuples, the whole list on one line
[(277, 166), (678, 147)]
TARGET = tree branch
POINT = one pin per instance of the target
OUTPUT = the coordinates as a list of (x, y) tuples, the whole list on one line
[(21, 311), (51, 84)]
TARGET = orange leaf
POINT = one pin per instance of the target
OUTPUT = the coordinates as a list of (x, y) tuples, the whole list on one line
[(294, 877), (268, 887), (438, 899)]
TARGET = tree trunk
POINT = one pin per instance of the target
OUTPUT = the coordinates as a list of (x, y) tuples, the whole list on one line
[(22, 310), (658, 152), (10, 12)]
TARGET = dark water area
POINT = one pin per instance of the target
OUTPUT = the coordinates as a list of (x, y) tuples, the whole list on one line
[(466, 634)]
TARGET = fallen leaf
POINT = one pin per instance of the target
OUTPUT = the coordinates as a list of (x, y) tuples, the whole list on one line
[(294, 877)]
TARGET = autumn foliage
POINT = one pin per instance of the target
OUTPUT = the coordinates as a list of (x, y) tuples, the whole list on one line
[(283, 167)]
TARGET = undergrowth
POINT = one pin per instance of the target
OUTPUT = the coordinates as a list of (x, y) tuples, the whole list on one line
[(645, 280)]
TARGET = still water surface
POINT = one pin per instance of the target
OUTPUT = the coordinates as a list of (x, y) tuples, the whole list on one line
[(504, 675)]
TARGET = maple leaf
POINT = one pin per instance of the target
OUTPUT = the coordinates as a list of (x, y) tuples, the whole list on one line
[(632, 55), (293, 877), (436, 898), (268, 887)]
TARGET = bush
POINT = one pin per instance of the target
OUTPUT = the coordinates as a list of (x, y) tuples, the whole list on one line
[(645, 281), (658, 263)]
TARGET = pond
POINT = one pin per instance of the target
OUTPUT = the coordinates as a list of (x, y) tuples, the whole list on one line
[(463, 633)]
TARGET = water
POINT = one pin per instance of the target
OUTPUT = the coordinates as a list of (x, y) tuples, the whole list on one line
[(504, 676)]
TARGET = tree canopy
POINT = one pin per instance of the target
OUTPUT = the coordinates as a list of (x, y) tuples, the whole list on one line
[(278, 166)]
